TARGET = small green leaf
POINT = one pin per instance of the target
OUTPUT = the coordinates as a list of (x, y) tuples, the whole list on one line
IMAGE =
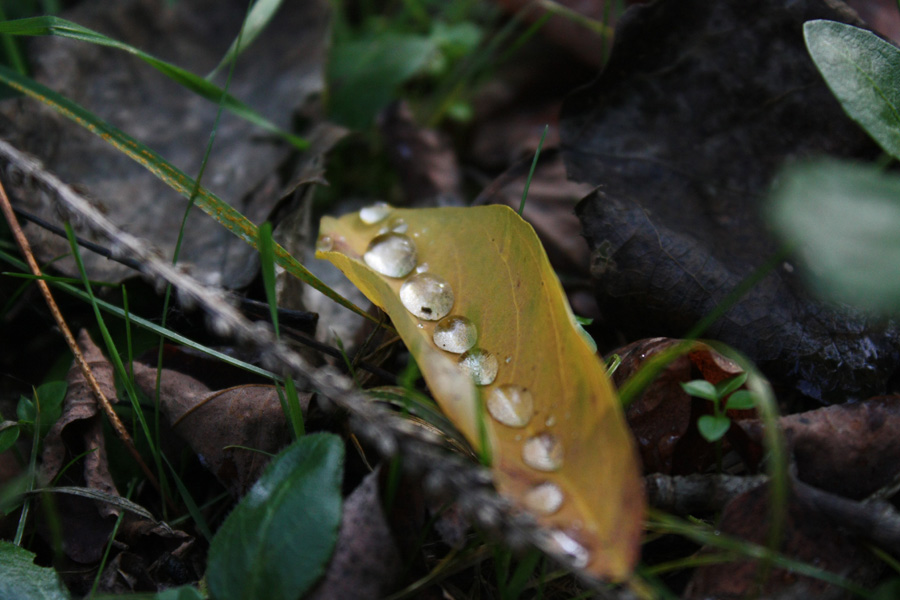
[(9, 433), (712, 427), (277, 541), (862, 71), (726, 386), (21, 578), (700, 388), (843, 220), (741, 400)]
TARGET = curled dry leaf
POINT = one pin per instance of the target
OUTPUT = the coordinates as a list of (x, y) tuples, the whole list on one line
[(216, 422), (554, 430), (664, 417), (851, 450), (85, 524)]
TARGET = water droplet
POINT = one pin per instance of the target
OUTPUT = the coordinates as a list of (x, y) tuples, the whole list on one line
[(375, 213), (551, 421), (543, 452), (391, 254), (511, 405), (398, 225), (480, 365), (544, 498), (426, 296), (455, 334), (325, 243), (564, 544), (420, 326), (508, 359), (422, 268)]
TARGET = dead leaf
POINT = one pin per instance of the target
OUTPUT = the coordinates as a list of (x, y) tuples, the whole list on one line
[(424, 158), (851, 450), (809, 537), (698, 107), (216, 422), (280, 71), (664, 417), (573, 441), (86, 524), (366, 559)]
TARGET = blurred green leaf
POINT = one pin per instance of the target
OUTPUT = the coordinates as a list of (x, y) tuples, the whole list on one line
[(700, 388), (185, 592), (21, 578), (364, 74), (862, 71), (277, 541), (741, 400), (9, 433), (726, 386), (843, 221)]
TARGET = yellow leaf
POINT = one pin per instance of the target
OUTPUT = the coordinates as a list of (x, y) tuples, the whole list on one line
[(557, 437)]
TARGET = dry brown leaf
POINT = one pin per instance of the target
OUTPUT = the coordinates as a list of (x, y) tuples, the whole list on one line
[(214, 422), (851, 450), (86, 524), (560, 449)]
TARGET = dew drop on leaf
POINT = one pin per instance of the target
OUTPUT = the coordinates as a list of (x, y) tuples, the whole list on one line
[(511, 405), (543, 452), (375, 213), (398, 225), (425, 295), (480, 365), (544, 498), (455, 334), (391, 254), (564, 544), (325, 243), (422, 268)]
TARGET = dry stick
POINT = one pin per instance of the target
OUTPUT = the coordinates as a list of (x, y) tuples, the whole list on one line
[(25, 247)]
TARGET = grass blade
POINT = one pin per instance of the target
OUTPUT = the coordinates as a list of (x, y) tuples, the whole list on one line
[(55, 26), (257, 20)]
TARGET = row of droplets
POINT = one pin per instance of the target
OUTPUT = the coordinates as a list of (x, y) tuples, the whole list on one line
[(430, 297)]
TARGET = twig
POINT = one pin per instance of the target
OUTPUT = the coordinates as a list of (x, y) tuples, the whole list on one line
[(876, 521), (104, 402)]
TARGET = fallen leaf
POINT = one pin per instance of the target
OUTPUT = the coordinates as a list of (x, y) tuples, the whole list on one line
[(553, 427), (424, 159), (809, 537), (86, 524), (699, 106), (852, 450), (366, 559), (232, 430)]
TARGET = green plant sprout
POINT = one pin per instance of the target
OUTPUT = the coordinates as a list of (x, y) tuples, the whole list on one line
[(725, 396)]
